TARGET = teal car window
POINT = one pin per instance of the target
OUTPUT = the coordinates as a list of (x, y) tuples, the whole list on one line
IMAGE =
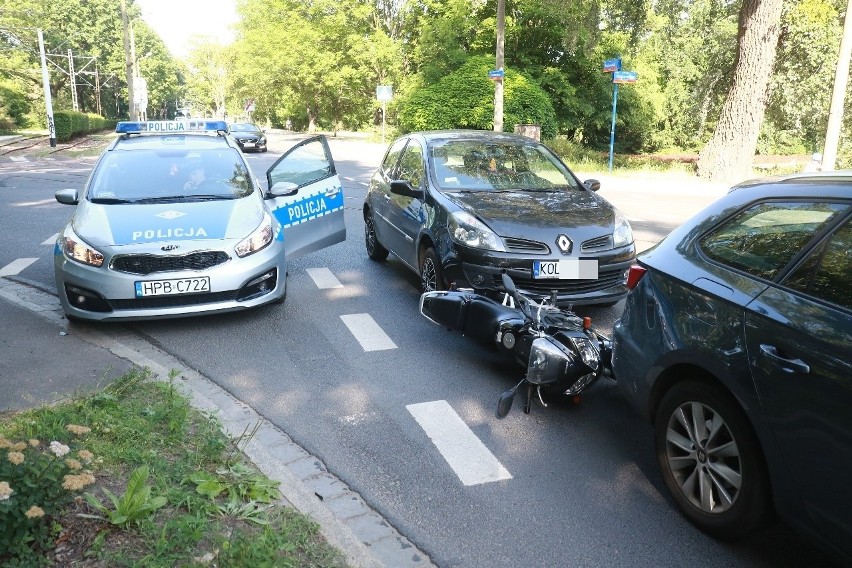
[(825, 273), (764, 238)]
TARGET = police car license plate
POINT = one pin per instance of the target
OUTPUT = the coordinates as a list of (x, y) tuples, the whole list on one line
[(171, 287), (566, 269)]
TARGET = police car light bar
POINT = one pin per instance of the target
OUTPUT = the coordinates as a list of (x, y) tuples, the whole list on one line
[(171, 126)]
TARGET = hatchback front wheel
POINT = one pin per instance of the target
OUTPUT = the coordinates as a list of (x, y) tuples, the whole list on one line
[(431, 275)]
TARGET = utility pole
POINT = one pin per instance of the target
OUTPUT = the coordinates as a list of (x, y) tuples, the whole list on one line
[(48, 102), (498, 84), (129, 62), (841, 77)]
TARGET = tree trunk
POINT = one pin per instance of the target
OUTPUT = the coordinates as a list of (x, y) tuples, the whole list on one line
[(728, 155)]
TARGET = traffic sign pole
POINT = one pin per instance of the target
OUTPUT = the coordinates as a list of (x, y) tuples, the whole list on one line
[(612, 128)]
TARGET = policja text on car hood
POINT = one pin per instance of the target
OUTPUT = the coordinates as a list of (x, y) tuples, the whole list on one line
[(132, 224)]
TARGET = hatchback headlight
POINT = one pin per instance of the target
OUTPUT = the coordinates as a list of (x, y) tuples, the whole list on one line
[(467, 230), (75, 249), (259, 238), (623, 234)]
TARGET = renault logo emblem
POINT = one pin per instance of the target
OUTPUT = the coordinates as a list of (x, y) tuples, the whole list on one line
[(564, 244)]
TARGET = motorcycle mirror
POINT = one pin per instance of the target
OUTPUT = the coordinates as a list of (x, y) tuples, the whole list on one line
[(504, 405), (508, 284)]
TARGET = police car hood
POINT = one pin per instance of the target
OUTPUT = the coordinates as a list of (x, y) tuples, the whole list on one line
[(139, 224)]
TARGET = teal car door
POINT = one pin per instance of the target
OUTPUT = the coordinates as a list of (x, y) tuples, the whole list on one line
[(306, 196)]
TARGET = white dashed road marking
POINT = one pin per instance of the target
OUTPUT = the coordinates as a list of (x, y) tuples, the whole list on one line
[(51, 240), (16, 266), (367, 332), (19, 159), (464, 452), (323, 278), (32, 203)]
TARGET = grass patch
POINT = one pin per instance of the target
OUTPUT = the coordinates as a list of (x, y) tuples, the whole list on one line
[(169, 488), (580, 158)]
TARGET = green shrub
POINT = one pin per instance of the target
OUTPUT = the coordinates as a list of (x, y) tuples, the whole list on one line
[(14, 107), (36, 480), (70, 123), (465, 99)]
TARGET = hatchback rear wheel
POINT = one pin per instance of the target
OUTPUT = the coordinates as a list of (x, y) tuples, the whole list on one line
[(711, 461), (374, 249)]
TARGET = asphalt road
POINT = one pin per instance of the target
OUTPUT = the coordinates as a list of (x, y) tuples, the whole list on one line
[(582, 486)]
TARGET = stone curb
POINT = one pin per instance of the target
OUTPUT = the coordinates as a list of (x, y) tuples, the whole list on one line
[(346, 521)]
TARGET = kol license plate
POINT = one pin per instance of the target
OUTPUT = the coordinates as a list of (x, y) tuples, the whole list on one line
[(566, 269), (172, 287)]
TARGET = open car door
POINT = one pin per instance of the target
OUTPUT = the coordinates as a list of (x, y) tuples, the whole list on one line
[(306, 197)]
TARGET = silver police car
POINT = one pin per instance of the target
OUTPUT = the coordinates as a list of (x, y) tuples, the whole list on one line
[(172, 223)]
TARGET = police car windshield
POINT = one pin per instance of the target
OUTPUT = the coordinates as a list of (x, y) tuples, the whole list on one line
[(496, 165), (150, 175)]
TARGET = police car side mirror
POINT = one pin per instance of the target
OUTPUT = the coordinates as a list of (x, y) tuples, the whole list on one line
[(67, 196), (282, 188)]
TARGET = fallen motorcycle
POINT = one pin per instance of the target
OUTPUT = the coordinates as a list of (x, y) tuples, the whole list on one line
[(559, 350)]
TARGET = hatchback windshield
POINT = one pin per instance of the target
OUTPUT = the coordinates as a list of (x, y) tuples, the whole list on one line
[(497, 165), (154, 175), (247, 127)]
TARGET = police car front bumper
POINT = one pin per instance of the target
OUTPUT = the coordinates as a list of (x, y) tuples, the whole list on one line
[(103, 293)]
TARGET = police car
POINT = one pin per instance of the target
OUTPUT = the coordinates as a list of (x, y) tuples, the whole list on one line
[(172, 223)]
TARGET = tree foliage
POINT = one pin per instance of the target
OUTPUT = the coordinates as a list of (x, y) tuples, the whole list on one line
[(465, 99)]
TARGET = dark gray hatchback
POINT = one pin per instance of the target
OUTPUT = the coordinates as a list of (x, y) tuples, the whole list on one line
[(461, 207), (736, 343)]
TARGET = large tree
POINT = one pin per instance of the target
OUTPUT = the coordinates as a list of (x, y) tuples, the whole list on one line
[(728, 155)]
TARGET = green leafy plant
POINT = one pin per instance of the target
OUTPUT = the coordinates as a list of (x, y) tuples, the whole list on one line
[(135, 504), (36, 481)]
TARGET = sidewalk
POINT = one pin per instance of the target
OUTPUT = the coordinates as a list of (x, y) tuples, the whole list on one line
[(43, 359)]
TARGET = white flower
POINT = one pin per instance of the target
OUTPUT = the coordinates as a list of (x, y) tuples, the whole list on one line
[(58, 449), (5, 490)]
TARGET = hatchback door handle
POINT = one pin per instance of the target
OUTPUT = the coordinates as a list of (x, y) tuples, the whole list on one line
[(787, 365)]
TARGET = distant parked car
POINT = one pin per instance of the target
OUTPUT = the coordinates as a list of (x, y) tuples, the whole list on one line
[(461, 207), (248, 136), (736, 343)]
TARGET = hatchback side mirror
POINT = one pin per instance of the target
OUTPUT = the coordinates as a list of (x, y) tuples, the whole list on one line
[(403, 187), (592, 184)]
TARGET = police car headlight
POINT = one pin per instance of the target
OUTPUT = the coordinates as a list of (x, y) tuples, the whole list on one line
[(258, 240), (76, 249)]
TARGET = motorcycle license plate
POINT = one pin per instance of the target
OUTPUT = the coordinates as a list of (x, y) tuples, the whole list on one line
[(566, 269), (172, 287)]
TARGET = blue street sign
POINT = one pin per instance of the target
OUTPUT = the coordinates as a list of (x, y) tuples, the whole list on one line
[(624, 77), (496, 74), (612, 65)]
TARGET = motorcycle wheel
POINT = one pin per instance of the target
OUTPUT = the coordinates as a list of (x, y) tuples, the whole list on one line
[(374, 249), (724, 493), (431, 275)]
